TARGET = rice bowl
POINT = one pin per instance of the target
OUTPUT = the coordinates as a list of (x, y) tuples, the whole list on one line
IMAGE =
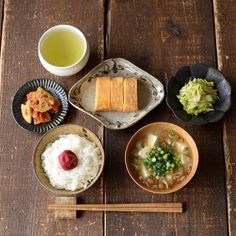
[(79, 177), (86, 173)]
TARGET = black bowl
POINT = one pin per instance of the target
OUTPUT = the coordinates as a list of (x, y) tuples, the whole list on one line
[(182, 76), (49, 85)]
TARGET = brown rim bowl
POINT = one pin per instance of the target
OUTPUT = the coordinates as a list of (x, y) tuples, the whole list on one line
[(155, 127), (50, 137)]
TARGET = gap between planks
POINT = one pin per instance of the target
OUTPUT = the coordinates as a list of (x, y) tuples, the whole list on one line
[(3, 9), (218, 42), (106, 45)]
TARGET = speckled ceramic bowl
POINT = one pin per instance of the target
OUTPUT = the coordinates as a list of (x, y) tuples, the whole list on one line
[(150, 93), (50, 137), (182, 76)]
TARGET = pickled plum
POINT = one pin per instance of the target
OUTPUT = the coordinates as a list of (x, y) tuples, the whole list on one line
[(68, 160)]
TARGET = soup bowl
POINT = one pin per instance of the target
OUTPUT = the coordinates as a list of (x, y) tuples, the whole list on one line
[(49, 138), (154, 133)]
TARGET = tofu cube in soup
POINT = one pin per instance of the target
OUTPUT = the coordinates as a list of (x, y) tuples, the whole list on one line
[(151, 140), (144, 152)]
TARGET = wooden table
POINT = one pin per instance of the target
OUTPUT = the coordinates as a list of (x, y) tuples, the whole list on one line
[(158, 36)]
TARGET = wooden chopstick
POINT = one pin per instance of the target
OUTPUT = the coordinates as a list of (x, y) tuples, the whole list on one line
[(133, 207)]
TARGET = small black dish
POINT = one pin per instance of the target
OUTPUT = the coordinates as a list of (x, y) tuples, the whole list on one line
[(182, 76), (49, 85)]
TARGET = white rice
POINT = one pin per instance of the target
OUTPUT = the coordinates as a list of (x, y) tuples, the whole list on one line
[(89, 162)]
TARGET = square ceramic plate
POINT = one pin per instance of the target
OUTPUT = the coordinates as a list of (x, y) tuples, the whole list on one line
[(150, 93)]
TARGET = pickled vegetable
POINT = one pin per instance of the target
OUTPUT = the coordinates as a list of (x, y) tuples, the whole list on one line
[(198, 96)]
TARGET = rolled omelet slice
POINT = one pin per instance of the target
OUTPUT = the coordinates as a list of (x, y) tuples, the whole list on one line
[(117, 93), (130, 95), (103, 94)]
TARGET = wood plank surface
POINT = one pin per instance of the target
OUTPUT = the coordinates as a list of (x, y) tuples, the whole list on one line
[(1, 16), (225, 28), (24, 202), (161, 36)]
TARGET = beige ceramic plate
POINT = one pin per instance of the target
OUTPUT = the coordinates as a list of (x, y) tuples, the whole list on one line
[(150, 93), (149, 129), (50, 137)]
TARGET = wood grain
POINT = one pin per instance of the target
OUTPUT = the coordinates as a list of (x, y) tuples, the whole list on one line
[(23, 201), (158, 36), (65, 214), (1, 16), (174, 207), (161, 36), (225, 29)]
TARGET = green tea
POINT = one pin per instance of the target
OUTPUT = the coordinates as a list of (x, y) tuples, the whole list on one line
[(63, 48)]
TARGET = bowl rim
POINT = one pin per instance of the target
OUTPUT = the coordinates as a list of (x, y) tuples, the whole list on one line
[(65, 192), (46, 84), (172, 79), (62, 27), (95, 71), (193, 149)]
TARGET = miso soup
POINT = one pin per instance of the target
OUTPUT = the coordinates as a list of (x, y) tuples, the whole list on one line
[(162, 159)]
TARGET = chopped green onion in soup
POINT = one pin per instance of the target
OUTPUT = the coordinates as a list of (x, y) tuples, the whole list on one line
[(163, 160)]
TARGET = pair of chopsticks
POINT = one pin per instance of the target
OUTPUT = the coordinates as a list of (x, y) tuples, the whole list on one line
[(133, 207)]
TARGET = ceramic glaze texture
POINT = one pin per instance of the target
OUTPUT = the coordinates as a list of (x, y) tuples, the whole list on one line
[(54, 89), (182, 76), (70, 69), (150, 93), (50, 137)]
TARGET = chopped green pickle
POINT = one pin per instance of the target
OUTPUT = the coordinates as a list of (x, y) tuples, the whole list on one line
[(198, 96)]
